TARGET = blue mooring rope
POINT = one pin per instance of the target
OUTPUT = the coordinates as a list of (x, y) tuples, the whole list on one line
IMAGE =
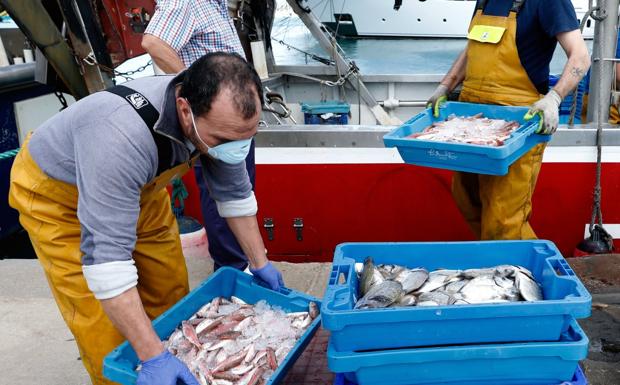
[(9, 154)]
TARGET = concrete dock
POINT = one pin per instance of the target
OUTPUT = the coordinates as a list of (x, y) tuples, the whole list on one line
[(37, 348)]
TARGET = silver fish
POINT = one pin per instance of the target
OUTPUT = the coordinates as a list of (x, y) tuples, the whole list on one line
[(412, 279), (456, 286), (438, 297), (482, 289), (381, 295), (370, 276), (435, 281), (407, 300), (529, 289)]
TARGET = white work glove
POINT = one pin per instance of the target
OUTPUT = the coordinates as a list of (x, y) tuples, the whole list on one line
[(548, 109), (437, 98)]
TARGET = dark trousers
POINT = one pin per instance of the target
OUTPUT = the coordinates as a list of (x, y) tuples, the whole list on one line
[(223, 245)]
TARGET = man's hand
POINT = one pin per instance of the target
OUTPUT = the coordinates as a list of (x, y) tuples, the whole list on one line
[(437, 98), (165, 369), (270, 275), (548, 107)]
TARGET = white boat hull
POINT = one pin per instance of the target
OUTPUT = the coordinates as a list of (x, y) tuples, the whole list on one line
[(415, 18)]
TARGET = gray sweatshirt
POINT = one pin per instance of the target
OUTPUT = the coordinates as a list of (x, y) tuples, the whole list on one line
[(101, 145)]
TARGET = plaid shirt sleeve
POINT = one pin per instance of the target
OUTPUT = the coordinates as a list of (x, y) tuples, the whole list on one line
[(172, 22)]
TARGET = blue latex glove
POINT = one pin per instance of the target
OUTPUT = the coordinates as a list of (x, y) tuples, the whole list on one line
[(270, 275), (165, 369)]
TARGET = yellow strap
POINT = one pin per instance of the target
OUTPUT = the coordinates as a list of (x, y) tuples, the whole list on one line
[(486, 33)]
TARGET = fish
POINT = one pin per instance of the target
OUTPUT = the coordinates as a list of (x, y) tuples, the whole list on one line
[(438, 297), (469, 130), (370, 276), (436, 279), (441, 287), (528, 287), (313, 310), (412, 279), (381, 295), (456, 286), (406, 300), (223, 350), (390, 272), (190, 333)]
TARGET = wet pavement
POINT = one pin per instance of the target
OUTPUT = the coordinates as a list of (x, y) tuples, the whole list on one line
[(601, 275)]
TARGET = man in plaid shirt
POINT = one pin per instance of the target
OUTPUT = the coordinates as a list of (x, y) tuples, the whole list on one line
[(180, 32)]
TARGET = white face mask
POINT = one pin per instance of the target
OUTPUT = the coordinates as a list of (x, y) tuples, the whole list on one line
[(232, 152)]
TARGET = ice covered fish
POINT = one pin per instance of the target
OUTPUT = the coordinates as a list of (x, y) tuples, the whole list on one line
[(470, 130), (402, 286), (232, 342)]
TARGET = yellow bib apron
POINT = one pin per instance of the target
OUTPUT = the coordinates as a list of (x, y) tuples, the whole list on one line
[(498, 207), (48, 211)]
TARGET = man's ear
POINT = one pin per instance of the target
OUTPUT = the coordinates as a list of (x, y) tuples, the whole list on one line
[(184, 112)]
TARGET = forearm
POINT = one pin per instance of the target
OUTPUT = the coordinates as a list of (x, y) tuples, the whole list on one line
[(456, 75), (248, 235), (128, 316), (576, 68), (166, 58), (577, 64)]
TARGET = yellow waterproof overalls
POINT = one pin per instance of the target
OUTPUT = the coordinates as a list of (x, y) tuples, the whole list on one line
[(48, 211), (498, 207)]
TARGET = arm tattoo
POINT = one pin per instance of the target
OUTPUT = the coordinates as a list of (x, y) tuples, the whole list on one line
[(577, 72)]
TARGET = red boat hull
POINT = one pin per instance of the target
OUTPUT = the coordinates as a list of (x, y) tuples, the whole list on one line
[(397, 202)]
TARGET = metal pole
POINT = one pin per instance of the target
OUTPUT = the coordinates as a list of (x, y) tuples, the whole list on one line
[(603, 52), (34, 21), (320, 33)]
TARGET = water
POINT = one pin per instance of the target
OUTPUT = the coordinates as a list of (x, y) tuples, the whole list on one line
[(372, 56), (380, 56)]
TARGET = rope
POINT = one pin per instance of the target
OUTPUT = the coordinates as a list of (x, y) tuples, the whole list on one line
[(597, 213), (9, 154), (179, 193)]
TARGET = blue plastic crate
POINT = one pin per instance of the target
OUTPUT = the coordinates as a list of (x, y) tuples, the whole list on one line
[(578, 379), (313, 112), (354, 330), (466, 157), (525, 363), (120, 364)]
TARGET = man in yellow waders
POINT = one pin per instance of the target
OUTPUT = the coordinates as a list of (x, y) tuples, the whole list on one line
[(90, 189), (506, 62)]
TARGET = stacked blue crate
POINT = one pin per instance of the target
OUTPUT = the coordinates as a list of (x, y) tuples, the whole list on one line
[(465, 344)]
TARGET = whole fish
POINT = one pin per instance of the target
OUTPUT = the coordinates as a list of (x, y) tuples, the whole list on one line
[(406, 300), (381, 295), (370, 276), (412, 279), (438, 297), (529, 289), (436, 279)]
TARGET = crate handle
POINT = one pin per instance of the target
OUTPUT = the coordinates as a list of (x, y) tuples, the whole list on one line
[(562, 268), (339, 271)]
